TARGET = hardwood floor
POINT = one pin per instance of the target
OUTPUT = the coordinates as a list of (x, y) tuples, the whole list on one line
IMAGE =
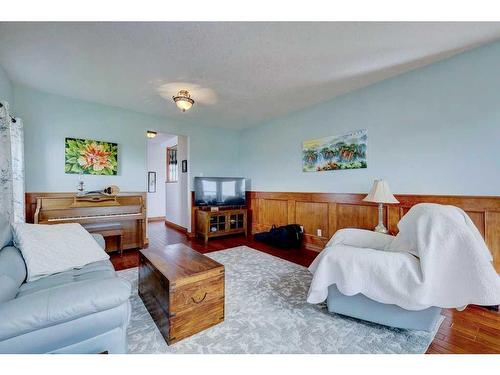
[(474, 330), (160, 235)]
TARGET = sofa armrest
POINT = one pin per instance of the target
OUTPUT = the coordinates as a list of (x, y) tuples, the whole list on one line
[(99, 239), (361, 238), (60, 304)]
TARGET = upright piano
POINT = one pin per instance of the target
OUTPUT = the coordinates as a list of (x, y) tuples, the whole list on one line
[(126, 211)]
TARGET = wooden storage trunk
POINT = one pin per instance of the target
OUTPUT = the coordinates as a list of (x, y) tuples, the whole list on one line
[(182, 289)]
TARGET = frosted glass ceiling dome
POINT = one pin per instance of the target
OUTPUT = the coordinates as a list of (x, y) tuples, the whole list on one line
[(183, 100)]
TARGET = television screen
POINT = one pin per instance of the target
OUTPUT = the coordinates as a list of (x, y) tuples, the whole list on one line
[(219, 191)]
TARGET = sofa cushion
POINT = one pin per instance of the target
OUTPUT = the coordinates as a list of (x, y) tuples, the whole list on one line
[(12, 272), (95, 333), (8, 288), (93, 271), (99, 239), (59, 304), (5, 232), (50, 249)]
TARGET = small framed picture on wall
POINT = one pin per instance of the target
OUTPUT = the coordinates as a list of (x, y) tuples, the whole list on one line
[(151, 182), (184, 166)]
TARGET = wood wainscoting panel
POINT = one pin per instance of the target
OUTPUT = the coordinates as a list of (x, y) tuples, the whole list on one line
[(291, 211), (272, 211), (332, 218), (492, 235), (394, 214), (312, 216), (478, 219), (357, 216), (331, 212)]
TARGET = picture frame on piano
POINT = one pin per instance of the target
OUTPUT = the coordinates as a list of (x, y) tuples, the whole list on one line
[(151, 182)]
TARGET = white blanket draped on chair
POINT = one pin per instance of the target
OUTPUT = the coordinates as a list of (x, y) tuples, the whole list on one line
[(437, 259), (11, 166)]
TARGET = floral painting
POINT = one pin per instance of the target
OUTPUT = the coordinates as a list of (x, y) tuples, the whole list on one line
[(346, 151), (90, 157)]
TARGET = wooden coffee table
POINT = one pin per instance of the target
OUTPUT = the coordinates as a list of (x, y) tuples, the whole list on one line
[(182, 289)]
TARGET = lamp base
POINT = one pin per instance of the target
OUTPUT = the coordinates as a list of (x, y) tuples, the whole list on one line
[(381, 229)]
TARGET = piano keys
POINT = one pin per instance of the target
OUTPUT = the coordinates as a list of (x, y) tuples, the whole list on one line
[(126, 210), (91, 218)]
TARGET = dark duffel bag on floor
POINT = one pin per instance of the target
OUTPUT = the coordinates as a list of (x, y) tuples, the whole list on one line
[(286, 236)]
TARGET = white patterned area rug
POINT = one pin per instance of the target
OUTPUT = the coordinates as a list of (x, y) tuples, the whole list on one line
[(266, 312)]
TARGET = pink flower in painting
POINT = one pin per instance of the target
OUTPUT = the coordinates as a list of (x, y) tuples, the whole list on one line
[(94, 156)]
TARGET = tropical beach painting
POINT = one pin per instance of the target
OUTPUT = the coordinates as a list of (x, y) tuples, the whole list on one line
[(346, 151), (85, 156)]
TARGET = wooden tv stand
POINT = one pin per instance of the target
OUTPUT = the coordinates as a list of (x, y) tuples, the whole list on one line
[(220, 223)]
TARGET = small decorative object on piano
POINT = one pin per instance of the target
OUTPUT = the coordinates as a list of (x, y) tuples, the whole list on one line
[(108, 194), (81, 185), (111, 190)]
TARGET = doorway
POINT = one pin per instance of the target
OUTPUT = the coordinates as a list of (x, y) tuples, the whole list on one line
[(168, 180)]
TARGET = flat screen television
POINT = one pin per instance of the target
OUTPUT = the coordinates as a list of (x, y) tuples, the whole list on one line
[(219, 191)]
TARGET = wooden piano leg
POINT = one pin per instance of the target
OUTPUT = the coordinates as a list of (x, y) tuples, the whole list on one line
[(120, 244), (142, 232)]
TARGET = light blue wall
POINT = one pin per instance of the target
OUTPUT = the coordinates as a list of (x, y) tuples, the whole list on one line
[(432, 130), (5, 87), (48, 119)]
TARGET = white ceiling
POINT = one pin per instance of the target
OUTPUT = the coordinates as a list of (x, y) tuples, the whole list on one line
[(253, 72)]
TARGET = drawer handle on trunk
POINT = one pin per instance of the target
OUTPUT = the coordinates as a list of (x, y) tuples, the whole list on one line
[(201, 300)]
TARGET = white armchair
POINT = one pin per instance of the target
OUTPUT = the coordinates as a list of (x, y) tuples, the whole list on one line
[(361, 238)]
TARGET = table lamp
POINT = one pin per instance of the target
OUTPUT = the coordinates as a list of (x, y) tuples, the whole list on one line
[(380, 193)]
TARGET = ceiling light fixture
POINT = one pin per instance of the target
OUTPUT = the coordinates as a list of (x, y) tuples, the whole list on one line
[(151, 134), (183, 100)]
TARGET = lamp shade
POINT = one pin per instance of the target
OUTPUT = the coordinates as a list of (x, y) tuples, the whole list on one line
[(380, 193)]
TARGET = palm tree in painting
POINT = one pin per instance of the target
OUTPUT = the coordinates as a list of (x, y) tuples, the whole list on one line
[(327, 153), (347, 152), (310, 156)]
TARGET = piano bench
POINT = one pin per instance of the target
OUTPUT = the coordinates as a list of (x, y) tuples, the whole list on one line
[(112, 230)]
